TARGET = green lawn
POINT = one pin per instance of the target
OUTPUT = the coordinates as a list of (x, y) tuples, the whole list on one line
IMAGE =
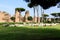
[(30, 33)]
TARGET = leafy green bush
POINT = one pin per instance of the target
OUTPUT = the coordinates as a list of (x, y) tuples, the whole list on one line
[(30, 18)]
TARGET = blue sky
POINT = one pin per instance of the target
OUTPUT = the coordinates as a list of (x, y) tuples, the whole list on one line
[(10, 5)]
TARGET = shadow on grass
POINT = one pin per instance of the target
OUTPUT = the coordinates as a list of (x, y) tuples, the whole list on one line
[(15, 33)]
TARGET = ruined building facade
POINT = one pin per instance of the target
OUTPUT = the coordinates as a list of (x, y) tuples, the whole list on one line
[(5, 17)]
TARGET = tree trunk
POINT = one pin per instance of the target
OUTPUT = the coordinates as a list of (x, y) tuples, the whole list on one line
[(54, 20), (42, 12), (34, 13), (37, 15)]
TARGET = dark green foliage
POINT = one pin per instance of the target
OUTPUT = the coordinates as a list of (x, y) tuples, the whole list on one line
[(54, 14), (19, 9), (13, 18), (30, 18), (58, 14), (45, 15), (45, 4), (9, 23), (26, 0), (30, 5), (44, 18)]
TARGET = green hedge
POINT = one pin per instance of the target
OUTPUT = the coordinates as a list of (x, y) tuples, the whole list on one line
[(11, 23)]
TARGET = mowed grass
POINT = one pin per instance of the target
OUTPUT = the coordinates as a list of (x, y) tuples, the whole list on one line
[(30, 33)]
